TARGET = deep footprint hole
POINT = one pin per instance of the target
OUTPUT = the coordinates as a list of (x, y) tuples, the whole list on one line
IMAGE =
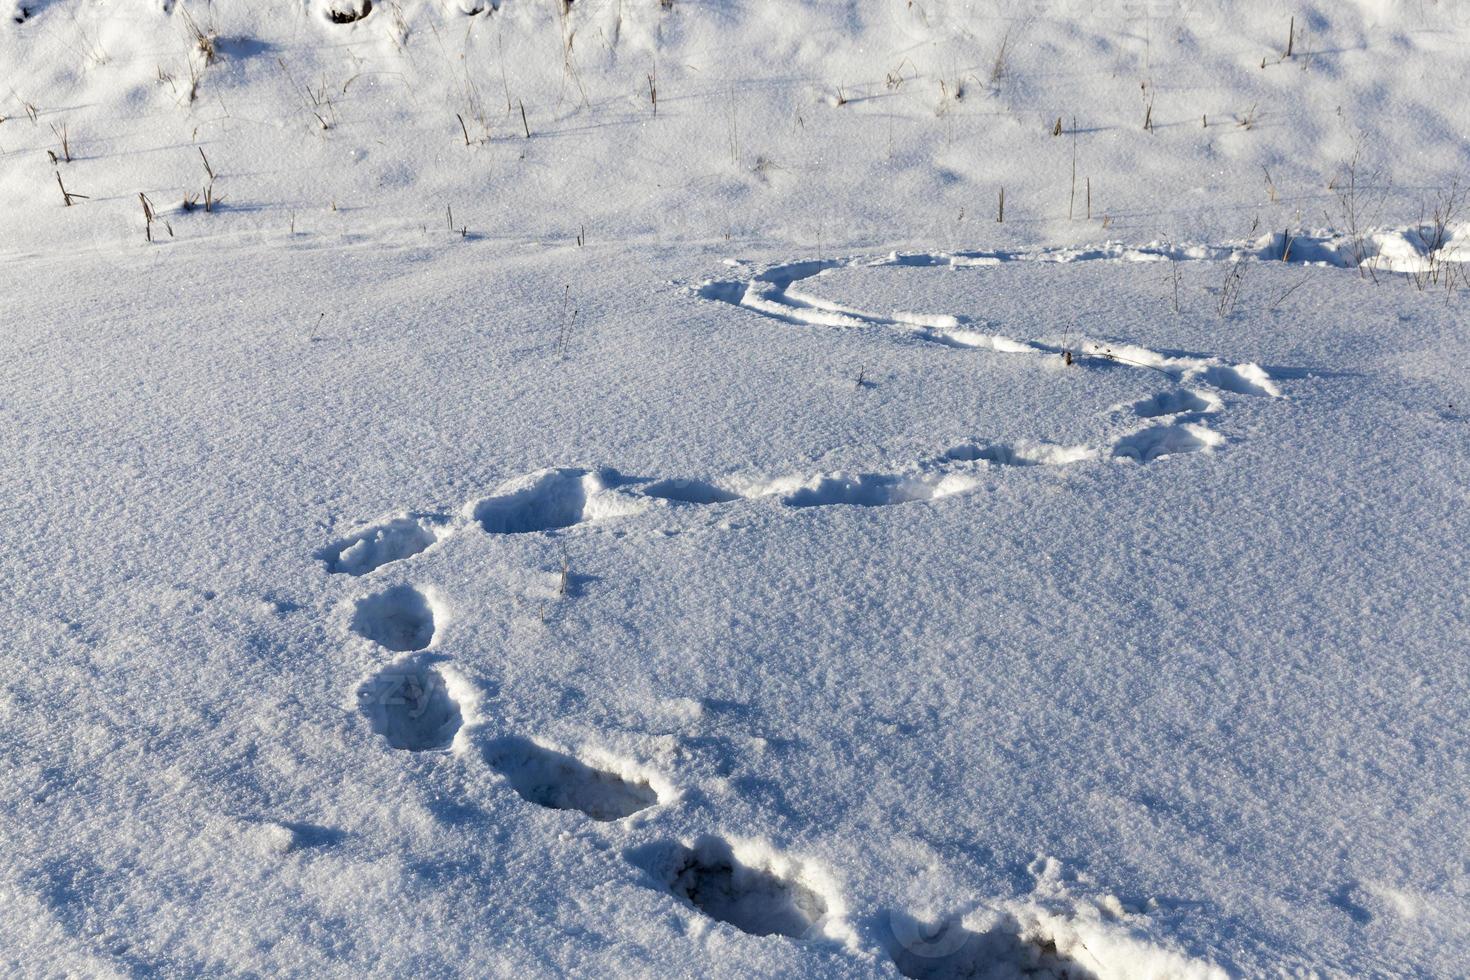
[(998, 454), (860, 490), (690, 492), (1171, 403), (1159, 441)]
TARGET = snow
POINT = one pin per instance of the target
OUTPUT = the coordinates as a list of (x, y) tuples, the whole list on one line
[(708, 542)]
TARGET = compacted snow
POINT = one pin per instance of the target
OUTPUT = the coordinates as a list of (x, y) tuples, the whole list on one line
[(707, 542)]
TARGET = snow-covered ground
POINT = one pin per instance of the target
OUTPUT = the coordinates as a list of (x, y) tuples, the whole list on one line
[(708, 542)]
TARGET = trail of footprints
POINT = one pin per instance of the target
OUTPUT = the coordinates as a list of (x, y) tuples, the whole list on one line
[(419, 703), (1174, 421)]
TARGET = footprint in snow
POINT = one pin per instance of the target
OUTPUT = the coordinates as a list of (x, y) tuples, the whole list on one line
[(562, 782), (417, 706), (1159, 441), (761, 901), (555, 498), (346, 11), (1000, 946), (1180, 402), (400, 618), (390, 540), (414, 705), (690, 492)]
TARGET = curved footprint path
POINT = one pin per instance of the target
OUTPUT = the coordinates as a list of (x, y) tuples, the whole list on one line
[(1173, 421), (417, 702)]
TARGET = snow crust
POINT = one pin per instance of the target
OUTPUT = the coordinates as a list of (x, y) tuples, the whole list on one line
[(513, 531)]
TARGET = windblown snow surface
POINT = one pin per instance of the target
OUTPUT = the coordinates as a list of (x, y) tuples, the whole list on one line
[(822, 488)]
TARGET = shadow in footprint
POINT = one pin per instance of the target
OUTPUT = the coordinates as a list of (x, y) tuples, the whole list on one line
[(950, 951), (313, 835), (308, 835), (1159, 441), (1000, 455), (562, 782), (556, 498), (690, 492), (388, 541), (412, 706), (709, 877), (347, 11), (1173, 403), (400, 618), (859, 490), (1345, 898), (281, 837)]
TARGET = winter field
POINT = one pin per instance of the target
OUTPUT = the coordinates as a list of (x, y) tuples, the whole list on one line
[(739, 488)]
